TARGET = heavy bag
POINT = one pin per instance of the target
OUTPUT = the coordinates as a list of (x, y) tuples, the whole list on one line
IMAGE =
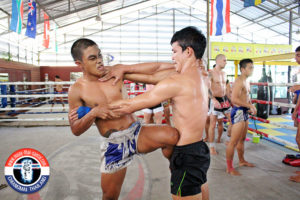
[(263, 94)]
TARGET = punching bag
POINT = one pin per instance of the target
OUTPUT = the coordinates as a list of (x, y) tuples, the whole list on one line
[(3, 99), (270, 80), (263, 94), (12, 91)]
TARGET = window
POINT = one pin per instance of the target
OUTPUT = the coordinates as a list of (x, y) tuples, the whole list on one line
[(3, 77)]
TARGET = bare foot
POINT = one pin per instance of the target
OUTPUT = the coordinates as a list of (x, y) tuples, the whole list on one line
[(295, 178), (213, 151), (297, 172), (246, 164), (233, 172)]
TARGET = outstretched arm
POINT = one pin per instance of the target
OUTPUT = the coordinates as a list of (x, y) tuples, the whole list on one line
[(150, 79), (117, 71), (164, 90), (146, 68)]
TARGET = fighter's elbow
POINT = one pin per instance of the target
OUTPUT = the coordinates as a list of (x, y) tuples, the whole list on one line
[(76, 131)]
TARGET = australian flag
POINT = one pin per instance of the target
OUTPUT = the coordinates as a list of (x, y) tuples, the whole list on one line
[(31, 23)]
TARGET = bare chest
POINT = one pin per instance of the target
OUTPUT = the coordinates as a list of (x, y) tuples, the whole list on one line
[(100, 94), (218, 78)]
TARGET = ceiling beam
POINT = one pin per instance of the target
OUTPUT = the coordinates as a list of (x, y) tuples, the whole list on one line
[(281, 6), (115, 10), (263, 26), (273, 14), (279, 24), (60, 15), (121, 24), (115, 26)]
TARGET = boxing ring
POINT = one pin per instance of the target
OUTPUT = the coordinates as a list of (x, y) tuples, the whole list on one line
[(278, 129), (33, 107), (27, 103)]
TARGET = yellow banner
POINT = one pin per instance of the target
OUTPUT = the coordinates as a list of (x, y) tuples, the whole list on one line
[(238, 51)]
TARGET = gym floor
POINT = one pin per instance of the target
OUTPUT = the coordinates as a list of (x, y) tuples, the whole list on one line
[(74, 169)]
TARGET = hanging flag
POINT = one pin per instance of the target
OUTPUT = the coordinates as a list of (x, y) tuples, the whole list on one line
[(16, 16), (46, 31), (220, 17), (248, 3), (56, 45), (31, 23)]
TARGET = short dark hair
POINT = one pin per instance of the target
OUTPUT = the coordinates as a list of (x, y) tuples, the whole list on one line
[(190, 37), (297, 49), (79, 45), (244, 62), (57, 76)]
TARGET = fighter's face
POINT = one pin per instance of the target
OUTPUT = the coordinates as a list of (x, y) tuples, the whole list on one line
[(222, 62), (92, 62), (249, 69), (178, 56), (297, 57)]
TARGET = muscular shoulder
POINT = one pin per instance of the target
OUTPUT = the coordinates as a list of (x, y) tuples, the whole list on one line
[(75, 88), (238, 82), (172, 82)]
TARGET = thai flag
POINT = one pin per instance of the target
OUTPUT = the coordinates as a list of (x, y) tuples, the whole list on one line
[(220, 17), (16, 16)]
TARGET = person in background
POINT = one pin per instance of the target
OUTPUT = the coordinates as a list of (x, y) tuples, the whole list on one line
[(58, 90)]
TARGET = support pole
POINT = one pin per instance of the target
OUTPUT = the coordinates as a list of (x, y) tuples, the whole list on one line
[(289, 67), (207, 33), (236, 69)]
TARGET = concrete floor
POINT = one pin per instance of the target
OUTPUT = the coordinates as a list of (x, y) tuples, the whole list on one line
[(74, 169)]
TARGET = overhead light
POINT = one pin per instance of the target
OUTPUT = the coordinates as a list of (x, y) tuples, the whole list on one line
[(98, 17)]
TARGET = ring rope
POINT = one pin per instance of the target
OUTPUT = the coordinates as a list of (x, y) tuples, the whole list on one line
[(272, 123), (34, 119), (33, 95), (274, 84), (33, 113), (274, 103), (33, 108), (38, 83)]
